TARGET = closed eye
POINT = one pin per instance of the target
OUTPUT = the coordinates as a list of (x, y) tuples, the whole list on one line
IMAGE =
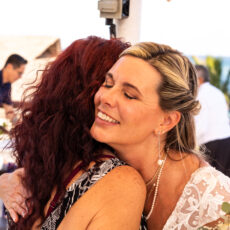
[(109, 82), (130, 97), (107, 85)]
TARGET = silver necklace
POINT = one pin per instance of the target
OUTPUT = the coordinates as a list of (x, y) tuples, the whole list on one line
[(156, 189)]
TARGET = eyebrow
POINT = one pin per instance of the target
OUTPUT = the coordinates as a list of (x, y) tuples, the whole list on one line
[(126, 84), (109, 75)]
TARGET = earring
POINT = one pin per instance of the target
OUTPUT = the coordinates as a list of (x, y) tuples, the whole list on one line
[(160, 160)]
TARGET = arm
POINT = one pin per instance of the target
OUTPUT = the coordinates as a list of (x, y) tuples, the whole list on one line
[(115, 202), (13, 194)]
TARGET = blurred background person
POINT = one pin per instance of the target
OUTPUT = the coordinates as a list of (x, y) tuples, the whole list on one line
[(12, 71), (212, 123)]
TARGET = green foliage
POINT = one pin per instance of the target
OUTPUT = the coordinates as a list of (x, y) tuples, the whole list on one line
[(215, 69), (226, 207)]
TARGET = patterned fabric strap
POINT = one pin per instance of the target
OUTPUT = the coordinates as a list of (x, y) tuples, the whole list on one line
[(54, 202)]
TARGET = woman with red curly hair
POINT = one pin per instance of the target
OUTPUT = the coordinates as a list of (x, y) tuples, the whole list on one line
[(74, 181)]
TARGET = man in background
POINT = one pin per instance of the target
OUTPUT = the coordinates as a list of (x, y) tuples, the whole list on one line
[(12, 71), (212, 123)]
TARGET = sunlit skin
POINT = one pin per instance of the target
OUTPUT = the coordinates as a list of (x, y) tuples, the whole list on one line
[(129, 96)]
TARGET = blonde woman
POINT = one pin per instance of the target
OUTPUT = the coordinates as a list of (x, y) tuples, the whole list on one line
[(144, 110)]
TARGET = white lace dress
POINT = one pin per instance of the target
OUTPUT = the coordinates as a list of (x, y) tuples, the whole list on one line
[(201, 200)]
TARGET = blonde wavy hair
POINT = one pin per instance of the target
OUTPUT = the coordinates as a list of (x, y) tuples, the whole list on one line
[(177, 91)]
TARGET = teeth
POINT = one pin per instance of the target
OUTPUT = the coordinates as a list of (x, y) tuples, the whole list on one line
[(106, 118)]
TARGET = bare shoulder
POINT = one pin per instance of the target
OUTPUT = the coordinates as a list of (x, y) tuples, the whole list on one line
[(126, 175), (115, 202), (123, 185)]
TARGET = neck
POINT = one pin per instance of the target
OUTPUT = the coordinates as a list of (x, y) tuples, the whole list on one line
[(142, 158), (4, 76)]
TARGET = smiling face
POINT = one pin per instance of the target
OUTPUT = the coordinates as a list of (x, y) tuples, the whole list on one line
[(127, 107)]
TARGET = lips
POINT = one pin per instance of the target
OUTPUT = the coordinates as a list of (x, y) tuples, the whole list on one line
[(106, 117)]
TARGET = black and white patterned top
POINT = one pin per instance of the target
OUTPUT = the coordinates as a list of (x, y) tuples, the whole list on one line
[(78, 188)]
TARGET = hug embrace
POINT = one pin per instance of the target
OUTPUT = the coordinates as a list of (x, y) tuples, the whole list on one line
[(107, 141)]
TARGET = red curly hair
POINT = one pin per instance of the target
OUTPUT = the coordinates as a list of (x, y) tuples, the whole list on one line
[(54, 132)]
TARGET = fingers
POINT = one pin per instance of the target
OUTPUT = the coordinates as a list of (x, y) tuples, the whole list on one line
[(21, 202), (24, 193), (13, 194), (17, 206), (19, 198), (13, 215), (15, 211), (19, 210), (29, 207), (18, 174)]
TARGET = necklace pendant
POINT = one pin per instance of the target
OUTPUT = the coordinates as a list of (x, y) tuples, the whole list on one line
[(160, 162)]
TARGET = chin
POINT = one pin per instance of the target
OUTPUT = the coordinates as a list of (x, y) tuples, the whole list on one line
[(97, 135)]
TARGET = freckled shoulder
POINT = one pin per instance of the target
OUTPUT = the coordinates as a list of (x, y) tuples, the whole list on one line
[(125, 175), (115, 202)]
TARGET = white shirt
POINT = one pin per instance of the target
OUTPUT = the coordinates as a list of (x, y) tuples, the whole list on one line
[(212, 123)]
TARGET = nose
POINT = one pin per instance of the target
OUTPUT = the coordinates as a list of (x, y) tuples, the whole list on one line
[(109, 97)]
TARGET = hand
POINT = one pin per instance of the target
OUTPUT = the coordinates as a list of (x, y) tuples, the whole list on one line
[(13, 194)]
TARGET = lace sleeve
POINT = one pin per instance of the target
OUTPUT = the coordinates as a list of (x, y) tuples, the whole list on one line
[(201, 200)]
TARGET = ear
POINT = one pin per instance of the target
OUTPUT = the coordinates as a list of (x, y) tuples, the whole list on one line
[(9, 66), (170, 120)]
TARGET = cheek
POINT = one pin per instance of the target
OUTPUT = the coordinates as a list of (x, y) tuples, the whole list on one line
[(15, 77), (97, 97), (144, 119), (132, 114)]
